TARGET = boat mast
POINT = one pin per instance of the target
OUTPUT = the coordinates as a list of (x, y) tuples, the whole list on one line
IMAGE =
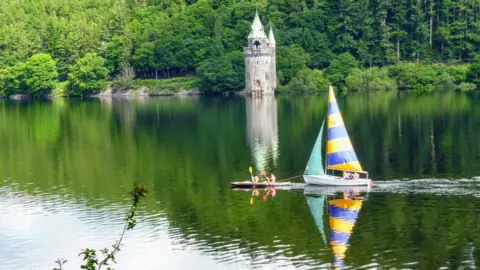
[(326, 118), (326, 153)]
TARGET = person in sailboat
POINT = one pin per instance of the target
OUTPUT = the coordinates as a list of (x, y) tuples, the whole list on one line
[(347, 175), (350, 175)]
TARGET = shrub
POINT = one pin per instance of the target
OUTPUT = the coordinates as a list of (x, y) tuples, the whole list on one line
[(464, 87), (124, 80), (445, 82), (307, 80), (372, 79), (420, 78), (459, 73)]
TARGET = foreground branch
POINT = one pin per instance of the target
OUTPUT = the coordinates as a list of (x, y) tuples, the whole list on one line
[(90, 255)]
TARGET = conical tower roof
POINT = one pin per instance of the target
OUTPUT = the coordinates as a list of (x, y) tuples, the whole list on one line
[(257, 28), (271, 38)]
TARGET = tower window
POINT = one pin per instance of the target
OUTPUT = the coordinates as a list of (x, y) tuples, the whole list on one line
[(266, 76), (256, 45)]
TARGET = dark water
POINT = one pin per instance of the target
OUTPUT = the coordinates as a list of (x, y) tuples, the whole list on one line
[(66, 167)]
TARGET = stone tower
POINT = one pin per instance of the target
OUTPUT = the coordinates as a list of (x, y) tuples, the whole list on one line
[(260, 61)]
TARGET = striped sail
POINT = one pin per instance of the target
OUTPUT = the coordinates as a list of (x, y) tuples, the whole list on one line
[(343, 214), (314, 165), (340, 153)]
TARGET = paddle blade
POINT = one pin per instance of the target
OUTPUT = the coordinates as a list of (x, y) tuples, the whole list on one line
[(250, 169)]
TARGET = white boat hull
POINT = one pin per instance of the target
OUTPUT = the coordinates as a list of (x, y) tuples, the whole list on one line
[(330, 190), (329, 180)]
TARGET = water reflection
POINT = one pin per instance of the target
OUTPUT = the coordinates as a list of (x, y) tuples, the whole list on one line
[(262, 130), (187, 151), (342, 215)]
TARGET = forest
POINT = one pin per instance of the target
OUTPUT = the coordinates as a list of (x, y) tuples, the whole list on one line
[(79, 47)]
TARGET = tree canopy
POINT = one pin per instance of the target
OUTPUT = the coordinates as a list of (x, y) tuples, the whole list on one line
[(162, 39)]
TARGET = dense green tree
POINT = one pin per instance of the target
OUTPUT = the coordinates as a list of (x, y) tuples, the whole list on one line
[(88, 75), (290, 60), (40, 74), (222, 74), (12, 79), (339, 69), (473, 74)]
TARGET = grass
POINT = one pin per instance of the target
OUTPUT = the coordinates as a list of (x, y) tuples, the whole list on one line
[(166, 86)]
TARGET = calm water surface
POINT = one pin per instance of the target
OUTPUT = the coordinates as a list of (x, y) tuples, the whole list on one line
[(66, 167)]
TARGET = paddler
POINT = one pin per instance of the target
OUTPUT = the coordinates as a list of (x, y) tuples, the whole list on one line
[(272, 179)]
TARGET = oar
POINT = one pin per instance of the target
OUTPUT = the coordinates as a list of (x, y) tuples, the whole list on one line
[(251, 173)]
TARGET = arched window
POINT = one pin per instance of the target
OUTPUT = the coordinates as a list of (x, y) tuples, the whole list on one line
[(256, 45)]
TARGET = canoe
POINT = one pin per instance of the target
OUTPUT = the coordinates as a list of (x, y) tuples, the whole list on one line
[(250, 184)]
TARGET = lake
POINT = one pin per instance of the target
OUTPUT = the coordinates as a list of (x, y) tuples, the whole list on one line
[(67, 165)]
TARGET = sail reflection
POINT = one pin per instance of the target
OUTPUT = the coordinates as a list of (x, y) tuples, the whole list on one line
[(262, 130), (342, 216)]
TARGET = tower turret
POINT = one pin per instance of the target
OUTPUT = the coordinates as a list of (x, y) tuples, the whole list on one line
[(271, 38)]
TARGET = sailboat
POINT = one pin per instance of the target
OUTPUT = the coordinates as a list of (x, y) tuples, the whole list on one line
[(340, 155), (342, 216)]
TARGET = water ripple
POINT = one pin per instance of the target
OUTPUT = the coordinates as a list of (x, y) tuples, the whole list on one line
[(458, 187)]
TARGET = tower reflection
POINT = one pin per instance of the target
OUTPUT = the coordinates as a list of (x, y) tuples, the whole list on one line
[(262, 130)]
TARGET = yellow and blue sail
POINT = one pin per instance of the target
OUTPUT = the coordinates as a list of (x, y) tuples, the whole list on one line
[(340, 153), (343, 214)]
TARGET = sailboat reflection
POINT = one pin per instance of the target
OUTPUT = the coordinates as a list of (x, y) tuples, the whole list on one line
[(342, 215)]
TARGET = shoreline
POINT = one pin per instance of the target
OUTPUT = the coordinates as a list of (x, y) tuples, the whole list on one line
[(141, 91), (194, 92)]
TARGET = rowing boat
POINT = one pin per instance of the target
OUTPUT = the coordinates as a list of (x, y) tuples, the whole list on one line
[(250, 184)]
